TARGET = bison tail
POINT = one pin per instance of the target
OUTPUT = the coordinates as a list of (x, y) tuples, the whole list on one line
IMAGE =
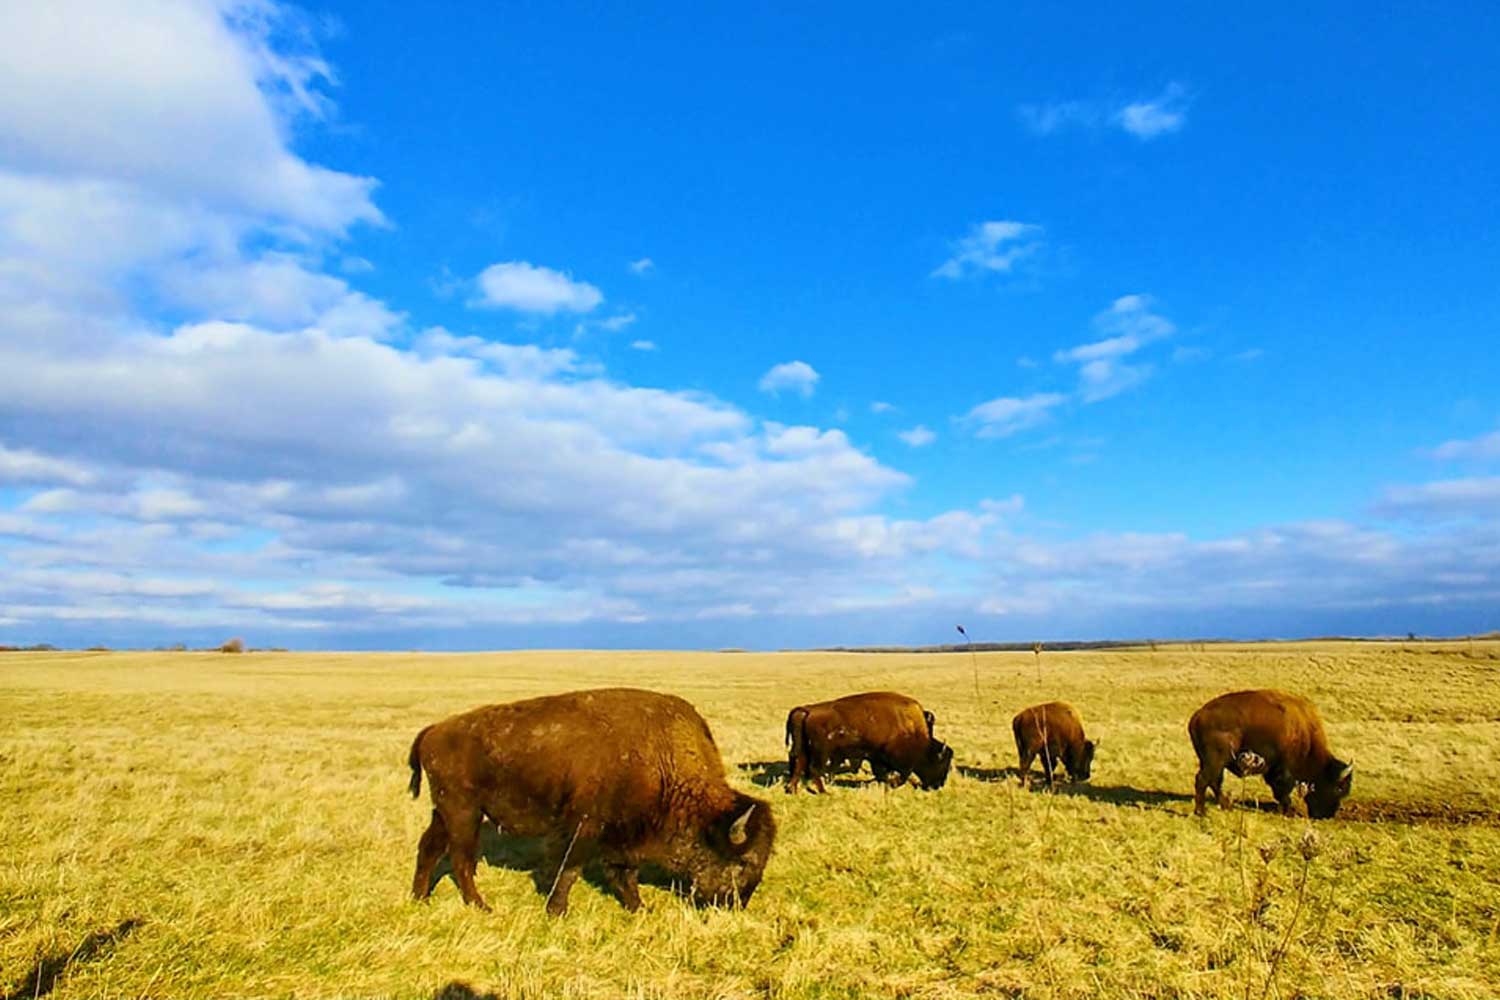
[(795, 719), (414, 759)]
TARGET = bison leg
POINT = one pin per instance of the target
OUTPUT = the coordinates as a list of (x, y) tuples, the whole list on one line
[(1025, 768), (799, 768), (1213, 781), (1213, 756), (566, 859), (1282, 785), (625, 879), (1209, 776), (430, 850), (463, 848)]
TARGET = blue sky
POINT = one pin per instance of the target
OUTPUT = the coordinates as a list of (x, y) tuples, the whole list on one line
[(354, 326)]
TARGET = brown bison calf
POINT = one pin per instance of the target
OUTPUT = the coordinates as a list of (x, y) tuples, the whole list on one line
[(1053, 732), (1272, 733), (889, 730), (620, 774)]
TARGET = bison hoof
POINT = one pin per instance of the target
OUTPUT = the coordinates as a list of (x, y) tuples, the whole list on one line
[(557, 907)]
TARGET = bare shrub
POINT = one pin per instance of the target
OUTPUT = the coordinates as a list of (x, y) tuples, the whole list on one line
[(235, 645)]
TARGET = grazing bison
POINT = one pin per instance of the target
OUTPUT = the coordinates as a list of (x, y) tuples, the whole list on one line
[(1053, 732), (620, 774), (1273, 733), (889, 730)]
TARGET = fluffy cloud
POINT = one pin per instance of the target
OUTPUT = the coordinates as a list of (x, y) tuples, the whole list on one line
[(643, 266), (1481, 448), (525, 287), (1163, 114), (917, 437), (89, 94), (1477, 496), (1146, 118), (18, 466), (1129, 325), (790, 376), (991, 247), (1006, 415)]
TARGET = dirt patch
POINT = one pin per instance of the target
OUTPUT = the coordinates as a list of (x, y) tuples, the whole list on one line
[(1415, 813)]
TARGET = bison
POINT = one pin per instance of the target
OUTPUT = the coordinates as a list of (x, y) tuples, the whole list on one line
[(623, 775), (1273, 733), (889, 730), (1053, 732)]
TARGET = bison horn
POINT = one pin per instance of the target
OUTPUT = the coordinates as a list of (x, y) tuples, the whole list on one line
[(737, 835), (1347, 772)]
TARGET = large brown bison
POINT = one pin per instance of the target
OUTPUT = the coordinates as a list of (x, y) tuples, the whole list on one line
[(889, 730), (620, 774), (1273, 733), (1054, 733)]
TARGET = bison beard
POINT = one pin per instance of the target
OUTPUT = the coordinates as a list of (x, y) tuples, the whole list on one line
[(622, 775)]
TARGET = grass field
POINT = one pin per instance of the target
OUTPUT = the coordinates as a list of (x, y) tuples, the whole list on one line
[(204, 825)]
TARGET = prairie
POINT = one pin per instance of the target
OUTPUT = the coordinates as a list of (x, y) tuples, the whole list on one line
[(207, 825)]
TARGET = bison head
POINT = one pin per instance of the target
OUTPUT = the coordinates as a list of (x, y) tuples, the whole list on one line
[(1325, 794), (935, 763), (1082, 768), (730, 856)]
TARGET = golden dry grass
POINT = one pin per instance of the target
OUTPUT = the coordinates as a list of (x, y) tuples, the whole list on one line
[(198, 825)]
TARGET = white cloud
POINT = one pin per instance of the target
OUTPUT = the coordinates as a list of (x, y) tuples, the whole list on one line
[(89, 94), (1485, 446), (522, 361), (881, 407), (19, 466), (1130, 324), (790, 376), (1165, 113), (644, 345), (1105, 378), (1477, 496), (1044, 119), (642, 266), (1006, 415), (1146, 118), (917, 437), (524, 287), (618, 322), (991, 247)]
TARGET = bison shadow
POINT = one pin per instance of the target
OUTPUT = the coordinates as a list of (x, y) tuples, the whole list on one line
[(991, 773), (49, 969), (1118, 795), (772, 773), (529, 854), (457, 990)]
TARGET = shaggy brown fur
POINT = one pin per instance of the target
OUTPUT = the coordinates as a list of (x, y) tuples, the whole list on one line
[(1054, 733), (888, 729), (1270, 732), (621, 774)]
